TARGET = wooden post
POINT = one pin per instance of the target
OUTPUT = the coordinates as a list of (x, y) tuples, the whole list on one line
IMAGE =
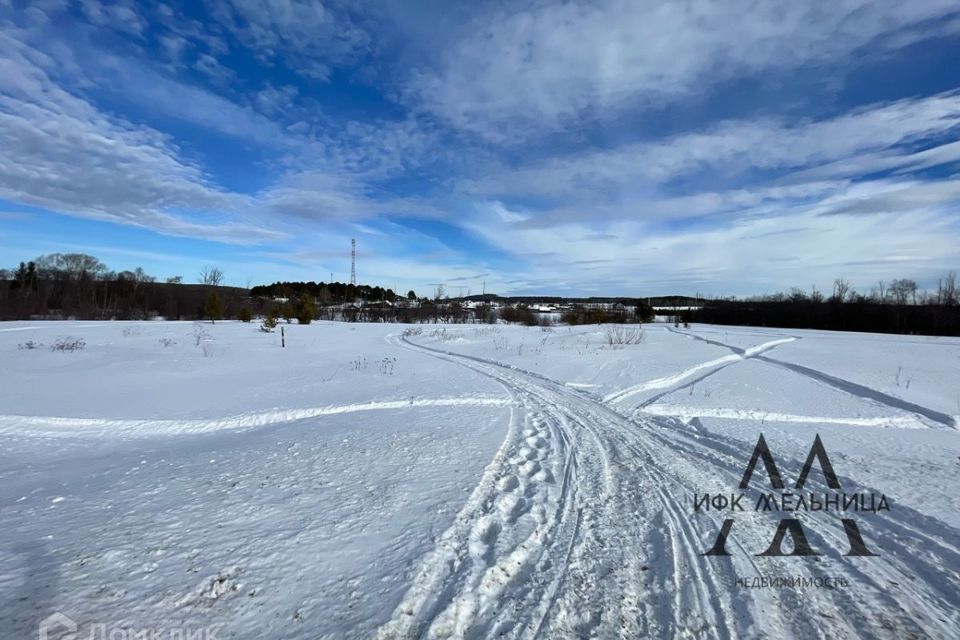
[(283, 338)]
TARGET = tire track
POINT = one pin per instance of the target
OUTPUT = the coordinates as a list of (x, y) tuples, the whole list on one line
[(615, 546), (634, 541), (862, 391), (847, 386), (672, 382)]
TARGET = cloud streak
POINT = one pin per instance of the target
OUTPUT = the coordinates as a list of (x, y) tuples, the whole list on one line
[(548, 66)]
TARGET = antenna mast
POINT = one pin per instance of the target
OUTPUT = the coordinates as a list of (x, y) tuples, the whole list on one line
[(353, 261)]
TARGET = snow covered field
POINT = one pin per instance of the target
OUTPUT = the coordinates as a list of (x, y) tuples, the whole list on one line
[(468, 481)]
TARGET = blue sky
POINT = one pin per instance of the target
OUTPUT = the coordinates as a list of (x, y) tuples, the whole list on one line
[(586, 148)]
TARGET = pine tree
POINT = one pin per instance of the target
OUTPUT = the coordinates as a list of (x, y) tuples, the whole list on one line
[(306, 309), (213, 307), (269, 323)]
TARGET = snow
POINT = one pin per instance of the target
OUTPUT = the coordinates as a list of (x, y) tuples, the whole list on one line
[(466, 482)]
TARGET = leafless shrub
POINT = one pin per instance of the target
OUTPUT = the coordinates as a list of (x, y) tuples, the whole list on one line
[(903, 380), (200, 335), (412, 331), (68, 343), (131, 331), (29, 345), (387, 365), (167, 342), (622, 335)]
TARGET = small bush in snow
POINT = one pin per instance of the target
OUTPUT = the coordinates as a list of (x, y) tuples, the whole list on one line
[(167, 342), (245, 315), (621, 335), (386, 366), (29, 345), (131, 331), (360, 364), (902, 380), (412, 331), (68, 344), (269, 323), (200, 335)]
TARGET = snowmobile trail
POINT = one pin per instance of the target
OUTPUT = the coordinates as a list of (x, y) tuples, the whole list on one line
[(672, 381), (852, 388), (53, 426), (583, 526)]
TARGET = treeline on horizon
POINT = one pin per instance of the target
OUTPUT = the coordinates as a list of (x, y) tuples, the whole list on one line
[(326, 292), (76, 285), (899, 306), (82, 287)]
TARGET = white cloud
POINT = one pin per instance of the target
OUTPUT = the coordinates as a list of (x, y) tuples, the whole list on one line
[(62, 153), (544, 66), (735, 147), (273, 100), (121, 15), (309, 35), (751, 255)]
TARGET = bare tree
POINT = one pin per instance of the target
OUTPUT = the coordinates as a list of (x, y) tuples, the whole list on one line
[(75, 266), (211, 276), (903, 291), (948, 289), (841, 289), (815, 294), (139, 277), (175, 280), (880, 293)]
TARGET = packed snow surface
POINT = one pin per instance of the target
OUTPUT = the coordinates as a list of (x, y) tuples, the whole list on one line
[(470, 481)]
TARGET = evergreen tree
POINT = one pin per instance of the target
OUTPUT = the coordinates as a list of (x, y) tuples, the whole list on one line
[(306, 309), (269, 323), (213, 307)]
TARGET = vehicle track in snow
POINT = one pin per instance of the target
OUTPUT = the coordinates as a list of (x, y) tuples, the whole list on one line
[(606, 544), (834, 382), (671, 382)]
